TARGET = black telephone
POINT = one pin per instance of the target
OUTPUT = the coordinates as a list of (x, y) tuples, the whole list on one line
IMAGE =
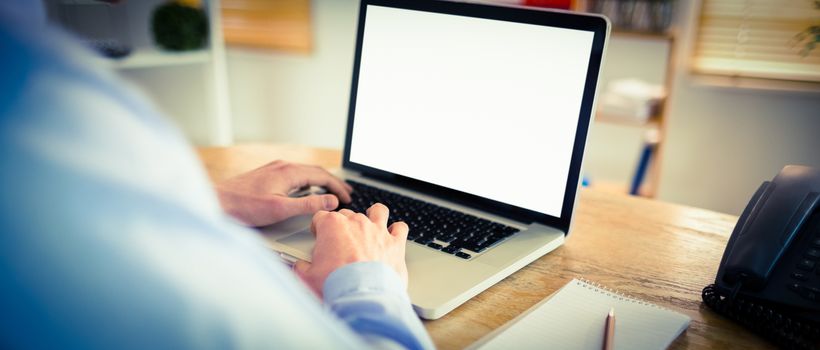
[(769, 277)]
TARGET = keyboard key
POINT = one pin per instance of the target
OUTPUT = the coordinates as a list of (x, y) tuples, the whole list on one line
[(446, 238), (813, 253), (807, 265), (424, 240), (478, 248), (451, 249), (800, 276), (810, 293), (463, 255), (428, 221)]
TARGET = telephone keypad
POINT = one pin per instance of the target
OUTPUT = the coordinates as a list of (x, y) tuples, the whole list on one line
[(803, 282), (810, 293), (800, 276), (805, 264)]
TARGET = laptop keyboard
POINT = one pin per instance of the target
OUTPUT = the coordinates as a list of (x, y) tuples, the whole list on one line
[(449, 231)]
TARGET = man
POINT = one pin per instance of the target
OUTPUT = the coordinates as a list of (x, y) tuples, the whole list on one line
[(113, 238)]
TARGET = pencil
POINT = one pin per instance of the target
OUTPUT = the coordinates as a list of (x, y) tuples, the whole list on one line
[(609, 330)]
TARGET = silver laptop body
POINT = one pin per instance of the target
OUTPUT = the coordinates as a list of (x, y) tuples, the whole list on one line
[(476, 108)]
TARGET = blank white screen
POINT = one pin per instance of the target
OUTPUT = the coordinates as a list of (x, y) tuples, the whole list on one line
[(481, 106)]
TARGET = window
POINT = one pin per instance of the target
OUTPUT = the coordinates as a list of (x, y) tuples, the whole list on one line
[(759, 39), (273, 24)]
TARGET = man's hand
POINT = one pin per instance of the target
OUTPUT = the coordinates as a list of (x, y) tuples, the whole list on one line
[(346, 237), (260, 197)]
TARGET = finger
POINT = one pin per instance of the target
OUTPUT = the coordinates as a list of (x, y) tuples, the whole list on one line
[(320, 177), (319, 216), (399, 230), (273, 165), (289, 207), (301, 268), (378, 213), (347, 213)]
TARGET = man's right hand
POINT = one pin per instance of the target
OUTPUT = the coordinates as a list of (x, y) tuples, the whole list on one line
[(260, 197), (345, 237)]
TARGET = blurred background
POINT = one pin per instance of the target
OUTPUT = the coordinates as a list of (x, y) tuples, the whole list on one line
[(699, 101)]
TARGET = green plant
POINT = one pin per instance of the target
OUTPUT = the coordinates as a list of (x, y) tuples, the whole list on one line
[(809, 39), (810, 36), (179, 27)]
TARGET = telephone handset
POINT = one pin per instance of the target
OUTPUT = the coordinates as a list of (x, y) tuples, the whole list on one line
[(769, 276)]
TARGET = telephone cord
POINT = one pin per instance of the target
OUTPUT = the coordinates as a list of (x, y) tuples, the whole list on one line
[(784, 331)]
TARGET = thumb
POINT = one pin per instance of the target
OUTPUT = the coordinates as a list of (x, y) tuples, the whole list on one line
[(301, 268), (307, 205)]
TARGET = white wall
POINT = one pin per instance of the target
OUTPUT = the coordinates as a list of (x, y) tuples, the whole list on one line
[(721, 143), (181, 93), (303, 99), (297, 98)]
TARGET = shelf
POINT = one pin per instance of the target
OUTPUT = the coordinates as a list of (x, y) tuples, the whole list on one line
[(610, 118), (646, 35), (86, 2), (145, 58)]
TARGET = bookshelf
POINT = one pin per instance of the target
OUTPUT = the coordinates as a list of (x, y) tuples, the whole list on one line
[(188, 86), (651, 56), (148, 58), (637, 49), (616, 144)]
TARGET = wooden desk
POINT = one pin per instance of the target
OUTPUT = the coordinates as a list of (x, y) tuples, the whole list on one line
[(660, 252)]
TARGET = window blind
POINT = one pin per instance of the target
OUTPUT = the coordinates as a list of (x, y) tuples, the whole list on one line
[(276, 24), (758, 39)]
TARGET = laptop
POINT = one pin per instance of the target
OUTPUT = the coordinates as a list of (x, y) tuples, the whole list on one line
[(469, 122)]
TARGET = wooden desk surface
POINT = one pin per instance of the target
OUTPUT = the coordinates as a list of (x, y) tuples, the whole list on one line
[(660, 252)]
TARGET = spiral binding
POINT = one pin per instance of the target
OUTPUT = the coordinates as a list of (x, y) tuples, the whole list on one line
[(784, 331), (597, 287)]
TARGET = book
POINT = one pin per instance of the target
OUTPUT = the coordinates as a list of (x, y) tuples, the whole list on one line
[(575, 317)]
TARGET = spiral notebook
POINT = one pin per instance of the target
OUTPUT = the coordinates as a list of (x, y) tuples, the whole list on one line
[(575, 317)]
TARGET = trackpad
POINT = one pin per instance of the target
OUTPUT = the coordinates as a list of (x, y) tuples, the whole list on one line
[(301, 242), (287, 227)]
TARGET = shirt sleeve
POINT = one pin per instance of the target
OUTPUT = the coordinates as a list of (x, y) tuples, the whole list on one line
[(111, 236), (372, 300)]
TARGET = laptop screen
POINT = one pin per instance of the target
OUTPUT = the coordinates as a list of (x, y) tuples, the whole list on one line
[(482, 106)]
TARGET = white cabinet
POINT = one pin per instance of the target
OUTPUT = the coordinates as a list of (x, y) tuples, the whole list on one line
[(190, 87)]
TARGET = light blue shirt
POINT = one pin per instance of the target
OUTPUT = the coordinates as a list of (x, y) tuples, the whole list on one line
[(111, 236)]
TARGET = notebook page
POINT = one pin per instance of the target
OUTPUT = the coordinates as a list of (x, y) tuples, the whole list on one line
[(575, 317)]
